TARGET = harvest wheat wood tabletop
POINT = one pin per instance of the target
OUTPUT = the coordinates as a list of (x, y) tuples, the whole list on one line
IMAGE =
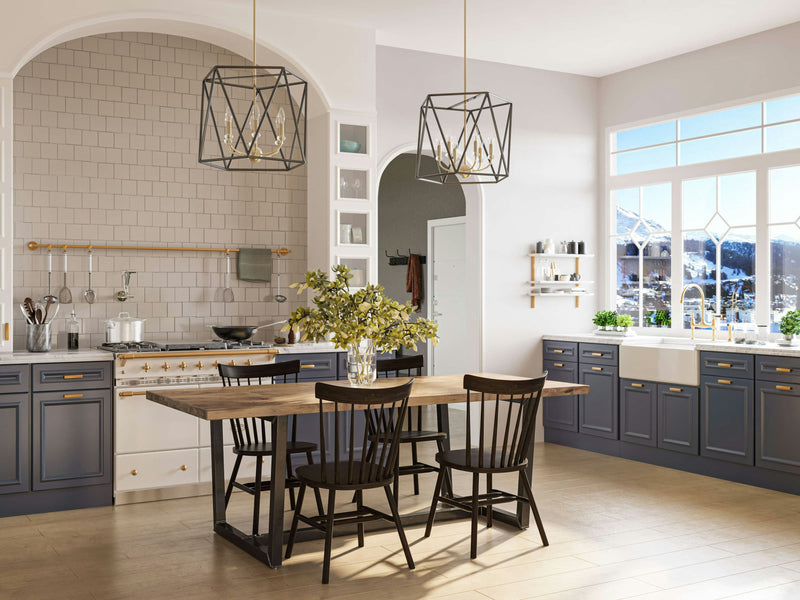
[(281, 400)]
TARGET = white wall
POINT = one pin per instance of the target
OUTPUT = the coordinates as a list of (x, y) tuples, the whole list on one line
[(551, 191)]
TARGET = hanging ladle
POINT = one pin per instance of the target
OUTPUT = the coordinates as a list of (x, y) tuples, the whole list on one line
[(89, 295), (280, 298), (227, 293), (64, 294), (49, 297)]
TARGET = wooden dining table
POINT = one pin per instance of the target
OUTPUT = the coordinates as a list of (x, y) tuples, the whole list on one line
[(278, 402)]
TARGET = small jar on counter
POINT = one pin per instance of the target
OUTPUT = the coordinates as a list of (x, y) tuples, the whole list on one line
[(73, 331)]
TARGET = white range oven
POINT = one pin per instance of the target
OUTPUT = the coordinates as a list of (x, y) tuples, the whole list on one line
[(159, 452)]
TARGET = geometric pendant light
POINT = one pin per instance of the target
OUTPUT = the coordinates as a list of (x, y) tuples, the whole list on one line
[(236, 130), (467, 133)]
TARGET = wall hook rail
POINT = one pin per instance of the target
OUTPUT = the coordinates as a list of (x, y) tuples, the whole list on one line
[(36, 245)]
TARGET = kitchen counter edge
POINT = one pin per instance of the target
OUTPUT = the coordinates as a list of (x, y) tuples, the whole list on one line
[(57, 356)]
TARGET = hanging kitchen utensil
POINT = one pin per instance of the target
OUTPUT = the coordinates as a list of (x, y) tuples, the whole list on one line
[(89, 295), (50, 275), (64, 294), (280, 298), (227, 293)]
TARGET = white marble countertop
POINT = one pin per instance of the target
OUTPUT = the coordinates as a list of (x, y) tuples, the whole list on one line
[(20, 358), (304, 348), (589, 338)]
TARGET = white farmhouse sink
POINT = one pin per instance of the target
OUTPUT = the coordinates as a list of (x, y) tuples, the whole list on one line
[(669, 360)]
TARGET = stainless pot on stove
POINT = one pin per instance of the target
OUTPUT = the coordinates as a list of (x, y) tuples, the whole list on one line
[(123, 328)]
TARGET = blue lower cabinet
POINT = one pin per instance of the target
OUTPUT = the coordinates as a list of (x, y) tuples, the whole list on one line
[(726, 419), (777, 420), (14, 443), (638, 421), (678, 418), (561, 412), (598, 412)]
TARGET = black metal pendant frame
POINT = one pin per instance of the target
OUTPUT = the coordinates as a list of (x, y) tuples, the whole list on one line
[(219, 84), (487, 115)]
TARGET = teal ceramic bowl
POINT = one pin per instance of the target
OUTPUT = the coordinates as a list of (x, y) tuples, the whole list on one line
[(349, 146)]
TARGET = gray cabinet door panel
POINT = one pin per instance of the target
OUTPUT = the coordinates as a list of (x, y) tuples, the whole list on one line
[(727, 364), (598, 411), (15, 410), (71, 439), (777, 419), (561, 412), (556, 350), (637, 412), (678, 418), (71, 376), (778, 368), (726, 419), (314, 366), (15, 379), (598, 354)]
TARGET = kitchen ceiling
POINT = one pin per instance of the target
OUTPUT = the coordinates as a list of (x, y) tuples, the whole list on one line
[(586, 37)]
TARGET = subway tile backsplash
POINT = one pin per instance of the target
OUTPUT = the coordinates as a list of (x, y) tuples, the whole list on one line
[(105, 141)]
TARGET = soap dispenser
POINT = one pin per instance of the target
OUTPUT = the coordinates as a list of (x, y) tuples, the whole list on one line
[(73, 331)]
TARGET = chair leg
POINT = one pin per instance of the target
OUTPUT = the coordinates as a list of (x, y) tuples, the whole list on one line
[(473, 545), (414, 462), (317, 496), (396, 482), (359, 506), (233, 478), (436, 491), (529, 492), (448, 482), (488, 506), (288, 476), (399, 525), (326, 563), (257, 495), (295, 520)]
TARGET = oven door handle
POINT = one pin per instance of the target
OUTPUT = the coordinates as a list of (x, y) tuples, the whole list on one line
[(137, 393)]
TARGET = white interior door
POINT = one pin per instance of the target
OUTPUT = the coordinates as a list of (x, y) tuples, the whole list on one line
[(446, 283)]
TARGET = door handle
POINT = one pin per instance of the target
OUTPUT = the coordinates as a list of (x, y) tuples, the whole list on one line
[(672, 389), (637, 385), (558, 364), (725, 365), (597, 368), (724, 381), (782, 370), (784, 388)]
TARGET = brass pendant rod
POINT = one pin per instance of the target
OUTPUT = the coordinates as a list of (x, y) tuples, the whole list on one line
[(90, 247), (254, 55), (465, 75)]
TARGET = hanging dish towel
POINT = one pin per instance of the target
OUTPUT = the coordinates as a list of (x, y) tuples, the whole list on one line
[(255, 264), (414, 280)]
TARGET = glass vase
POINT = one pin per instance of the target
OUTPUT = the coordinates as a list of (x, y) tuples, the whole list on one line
[(361, 363)]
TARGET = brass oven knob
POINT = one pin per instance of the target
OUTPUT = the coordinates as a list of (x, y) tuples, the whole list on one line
[(232, 363), (199, 364), (183, 467), (134, 472), (248, 362), (183, 365), (165, 366), (146, 367), (215, 365)]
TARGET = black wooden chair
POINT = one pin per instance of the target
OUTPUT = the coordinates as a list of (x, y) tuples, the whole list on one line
[(507, 421), (411, 434), (249, 435), (354, 468)]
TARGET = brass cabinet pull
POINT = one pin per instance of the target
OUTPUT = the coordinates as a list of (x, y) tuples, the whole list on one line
[(783, 370), (134, 472), (637, 385), (308, 366), (675, 389), (139, 393), (785, 388), (597, 368), (725, 381), (597, 354), (76, 376), (7, 332), (726, 365), (556, 351), (558, 364), (183, 467), (68, 396)]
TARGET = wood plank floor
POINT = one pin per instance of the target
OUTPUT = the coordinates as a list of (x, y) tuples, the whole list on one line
[(617, 529)]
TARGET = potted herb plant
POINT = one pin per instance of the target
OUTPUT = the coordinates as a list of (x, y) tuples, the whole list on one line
[(606, 320), (790, 325), (624, 322), (364, 322)]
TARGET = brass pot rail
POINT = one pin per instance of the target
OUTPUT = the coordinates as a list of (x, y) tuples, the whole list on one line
[(36, 245)]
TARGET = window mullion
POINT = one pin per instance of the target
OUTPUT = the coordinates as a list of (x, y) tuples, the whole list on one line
[(763, 292), (676, 262)]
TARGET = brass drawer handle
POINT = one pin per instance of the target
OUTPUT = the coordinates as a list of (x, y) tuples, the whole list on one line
[(597, 368), (555, 351), (785, 388), (308, 366), (724, 381), (139, 393), (558, 364), (637, 385), (7, 331), (597, 354), (69, 396), (675, 389), (726, 365), (76, 376), (782, 370)]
